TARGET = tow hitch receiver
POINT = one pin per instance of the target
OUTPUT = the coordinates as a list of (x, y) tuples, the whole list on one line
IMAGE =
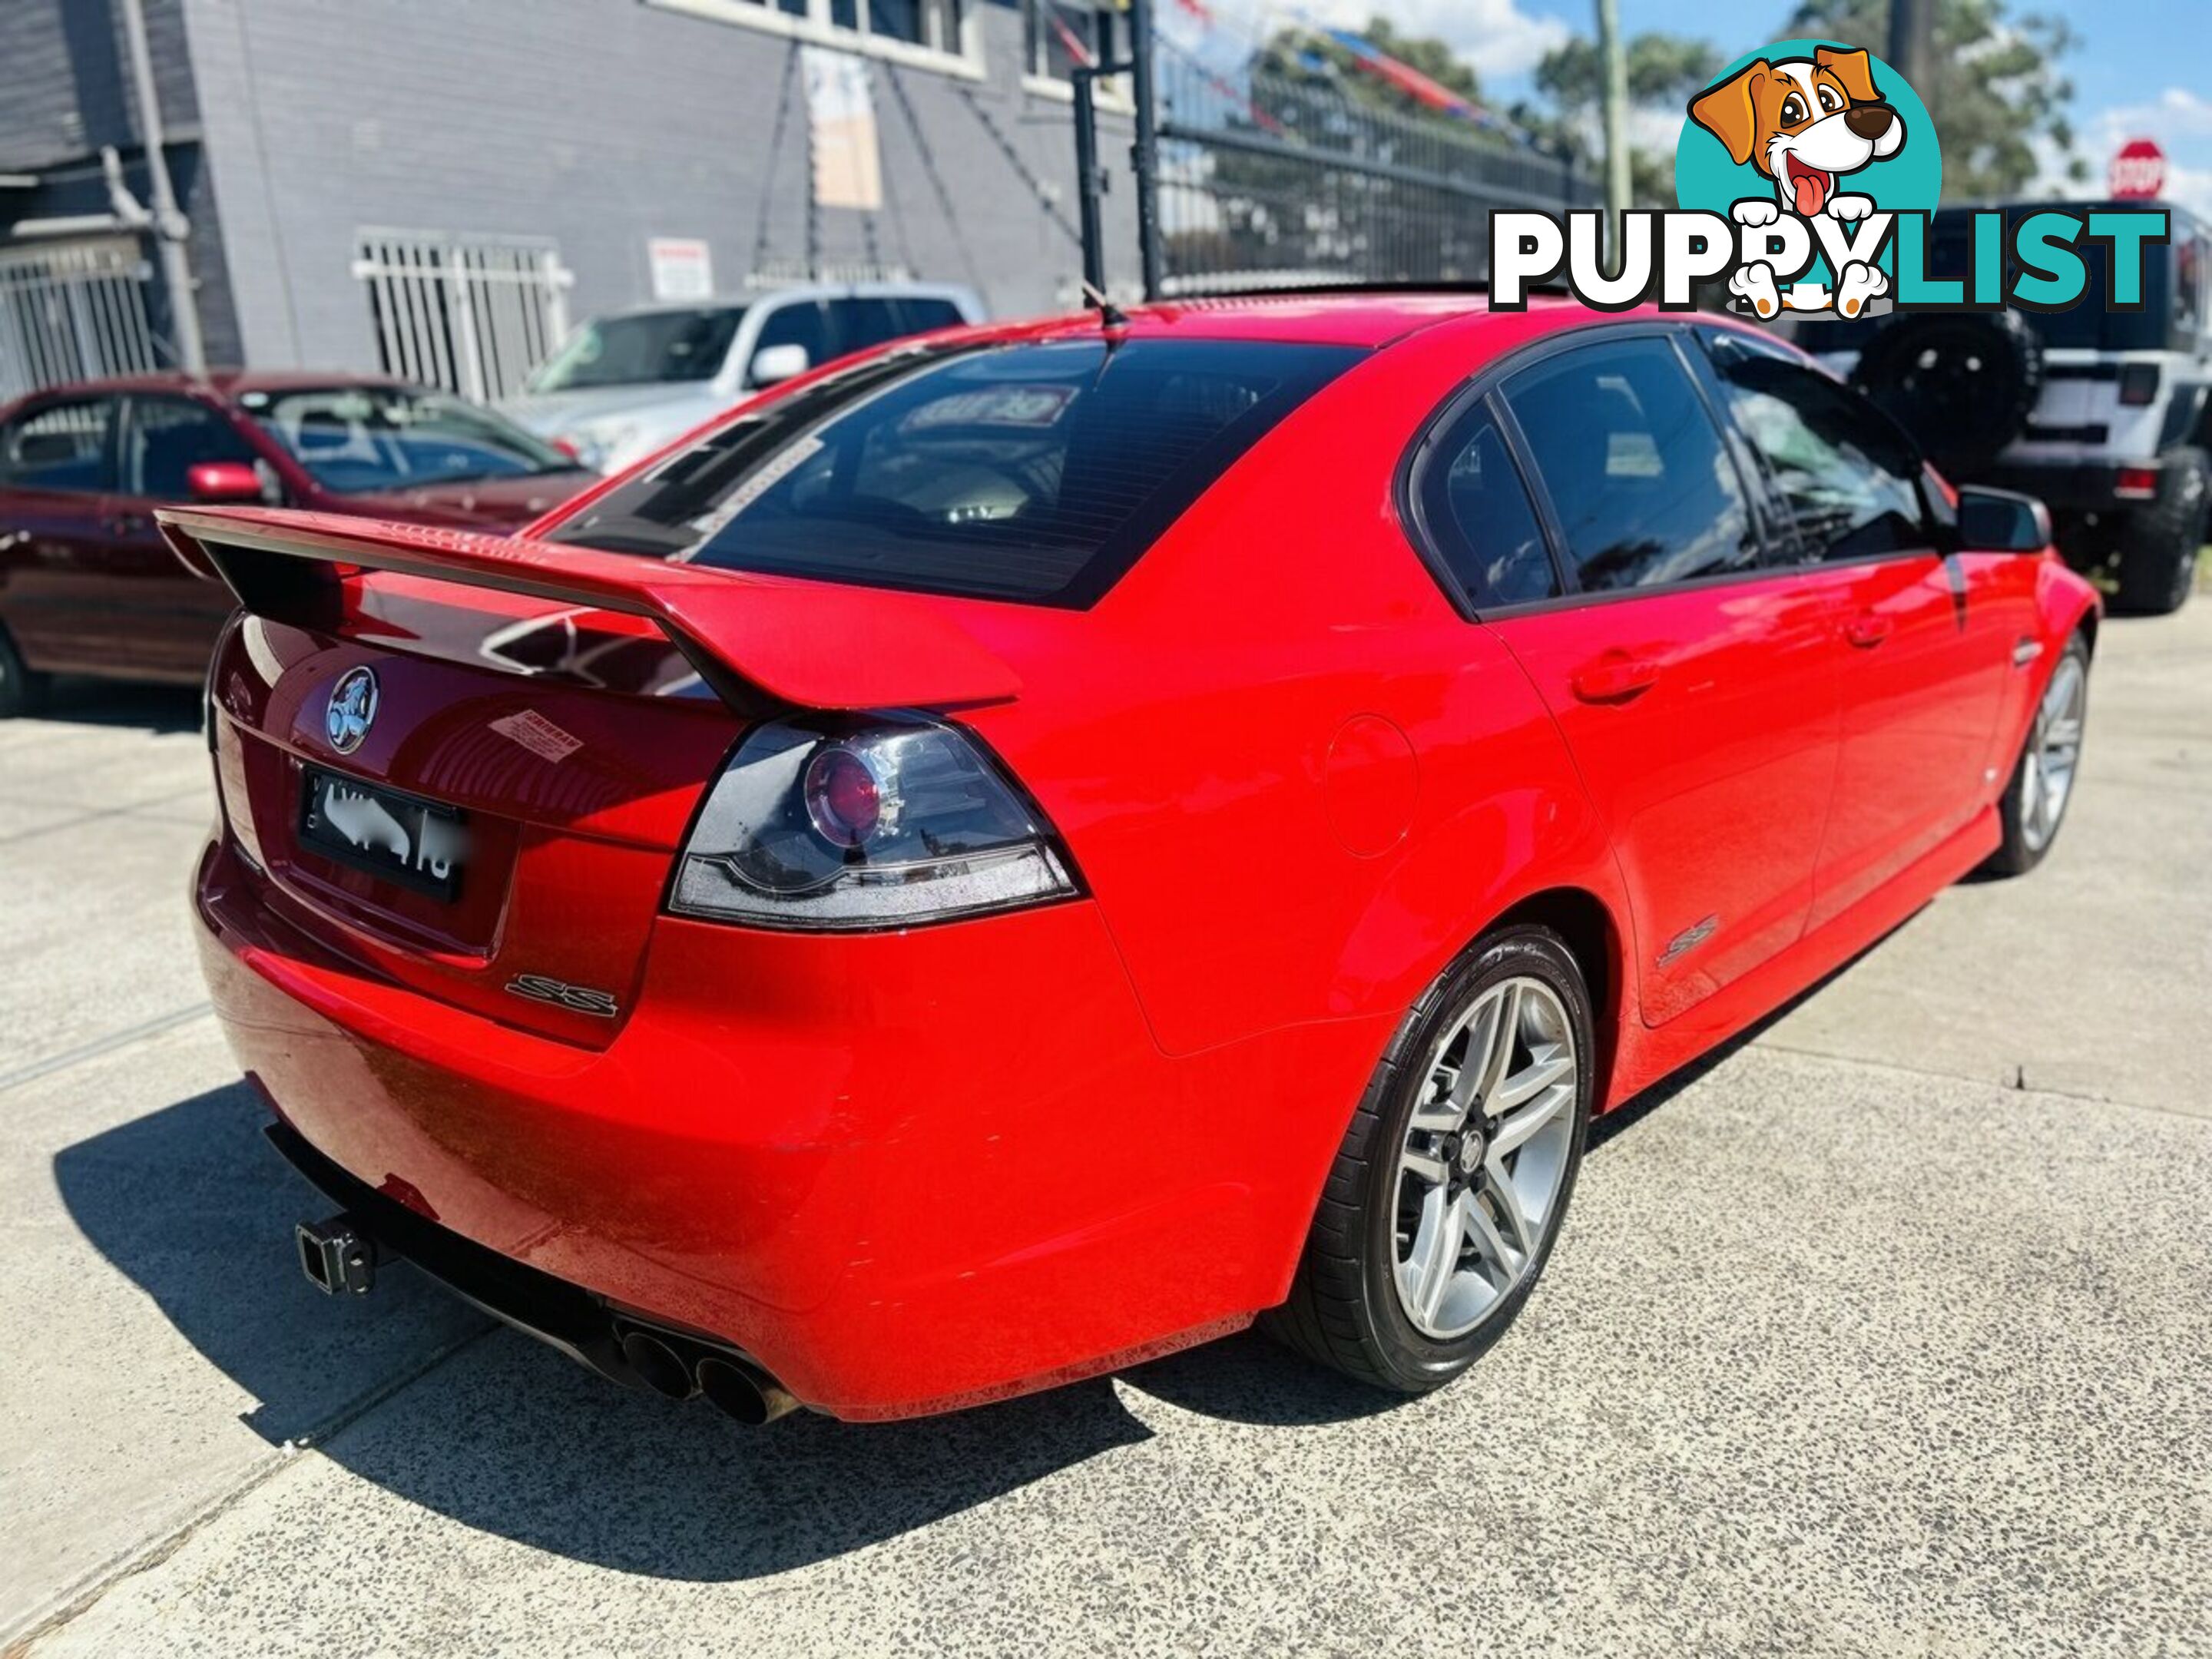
[(338, 1257)]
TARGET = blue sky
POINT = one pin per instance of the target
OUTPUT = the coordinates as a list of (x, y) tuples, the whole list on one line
[(2140, 67)]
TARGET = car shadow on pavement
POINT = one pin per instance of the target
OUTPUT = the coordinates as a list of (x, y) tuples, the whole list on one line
[(159, 709), (475, 1422), (192, 1205)]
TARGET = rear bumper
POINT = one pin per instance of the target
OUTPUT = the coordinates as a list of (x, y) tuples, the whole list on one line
[(2068, 487), (903, 1172)]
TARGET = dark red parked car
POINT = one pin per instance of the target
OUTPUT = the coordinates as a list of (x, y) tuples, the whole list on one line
[(88, 586), (1020, 852)]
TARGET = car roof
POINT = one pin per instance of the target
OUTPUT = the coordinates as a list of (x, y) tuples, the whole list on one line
[(1369, 318)]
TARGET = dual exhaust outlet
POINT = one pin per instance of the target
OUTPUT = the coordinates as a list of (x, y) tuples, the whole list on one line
[(340, 1259), (734, 1386)]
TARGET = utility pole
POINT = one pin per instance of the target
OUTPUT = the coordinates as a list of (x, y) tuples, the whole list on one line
[(1613, 58), (1145, 153), (1909, 25), (169, 228)]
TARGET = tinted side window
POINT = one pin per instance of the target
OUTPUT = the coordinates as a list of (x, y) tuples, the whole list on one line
[(864, 322), (63, 445), (1848, 483), (1637, 475), (803, 322), (167, 437), (923, 315), (1477, 516)]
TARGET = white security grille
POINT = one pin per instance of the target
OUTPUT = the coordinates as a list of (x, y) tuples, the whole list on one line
[(474, 316), (72, 311)]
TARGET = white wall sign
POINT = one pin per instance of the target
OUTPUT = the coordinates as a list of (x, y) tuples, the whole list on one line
[(683, 268)]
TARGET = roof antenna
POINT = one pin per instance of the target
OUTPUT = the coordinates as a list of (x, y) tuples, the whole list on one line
[(1110, 316)]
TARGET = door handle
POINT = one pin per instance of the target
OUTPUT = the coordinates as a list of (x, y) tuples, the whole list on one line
[(1868, 629), (123, 523), (1616, 678)]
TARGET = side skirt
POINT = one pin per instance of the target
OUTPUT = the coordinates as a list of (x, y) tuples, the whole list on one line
[(1649, 1055)]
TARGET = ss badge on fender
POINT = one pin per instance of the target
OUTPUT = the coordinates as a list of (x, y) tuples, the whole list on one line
[(582, 997)]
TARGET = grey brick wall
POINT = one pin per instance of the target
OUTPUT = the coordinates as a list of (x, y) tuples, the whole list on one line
[(65, 88), (598, 124)]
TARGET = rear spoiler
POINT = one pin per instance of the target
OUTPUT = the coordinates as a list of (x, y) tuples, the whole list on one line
[(817, 645)]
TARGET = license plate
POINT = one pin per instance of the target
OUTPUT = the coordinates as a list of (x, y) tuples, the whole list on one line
[(415, 843)]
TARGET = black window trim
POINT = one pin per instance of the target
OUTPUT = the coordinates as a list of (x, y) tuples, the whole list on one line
[(1778, 553)]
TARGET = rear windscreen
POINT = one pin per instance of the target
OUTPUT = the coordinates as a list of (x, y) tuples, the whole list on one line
[(1035, 471)]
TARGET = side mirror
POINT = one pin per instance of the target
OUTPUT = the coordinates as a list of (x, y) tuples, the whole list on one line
[(773, 365), (217, 481), (1999, 521)]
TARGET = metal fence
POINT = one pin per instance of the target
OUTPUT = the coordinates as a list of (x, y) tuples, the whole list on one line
[(73, 310), (1266, 179), (475, 317)]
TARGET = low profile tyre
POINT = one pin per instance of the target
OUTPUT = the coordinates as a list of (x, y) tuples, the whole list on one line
[(2035, 801), (2158, 548), (20, 689), (1447, 1193)]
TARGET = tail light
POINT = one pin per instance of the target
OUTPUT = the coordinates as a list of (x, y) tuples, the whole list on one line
[(2137, 484), (2138, 384), (874, 821)]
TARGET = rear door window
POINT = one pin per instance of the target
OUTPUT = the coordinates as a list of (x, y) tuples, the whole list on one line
[(1639, 480), (67, 445), (1038, 471)]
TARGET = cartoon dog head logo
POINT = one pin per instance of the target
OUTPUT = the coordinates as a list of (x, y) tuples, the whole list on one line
[(1805, 124)]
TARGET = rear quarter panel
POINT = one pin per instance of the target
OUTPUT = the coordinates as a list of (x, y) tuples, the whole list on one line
[(1296, 779)]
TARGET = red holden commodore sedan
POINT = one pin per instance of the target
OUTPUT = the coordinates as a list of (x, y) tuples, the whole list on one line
[(1022, 851)]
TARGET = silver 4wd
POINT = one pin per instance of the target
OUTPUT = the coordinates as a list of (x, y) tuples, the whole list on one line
[(2103, 414)]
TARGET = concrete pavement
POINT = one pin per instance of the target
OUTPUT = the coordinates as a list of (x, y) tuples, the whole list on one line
[(1888, 1333)]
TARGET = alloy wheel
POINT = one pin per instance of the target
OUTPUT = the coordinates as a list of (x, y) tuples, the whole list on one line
[(2054, 751), (1485, 1155)]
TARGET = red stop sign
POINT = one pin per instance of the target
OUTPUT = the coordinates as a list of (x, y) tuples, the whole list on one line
[(2138, 171)]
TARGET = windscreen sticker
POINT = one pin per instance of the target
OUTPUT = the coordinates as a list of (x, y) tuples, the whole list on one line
[(539, 735), (1031, 407)]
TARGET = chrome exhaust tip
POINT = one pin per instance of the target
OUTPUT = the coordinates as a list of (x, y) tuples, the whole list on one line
[(740, 1391), (658, 1365)]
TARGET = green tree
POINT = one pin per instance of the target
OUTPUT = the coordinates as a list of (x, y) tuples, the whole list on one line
[(1994, 87), (1663, 69)]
